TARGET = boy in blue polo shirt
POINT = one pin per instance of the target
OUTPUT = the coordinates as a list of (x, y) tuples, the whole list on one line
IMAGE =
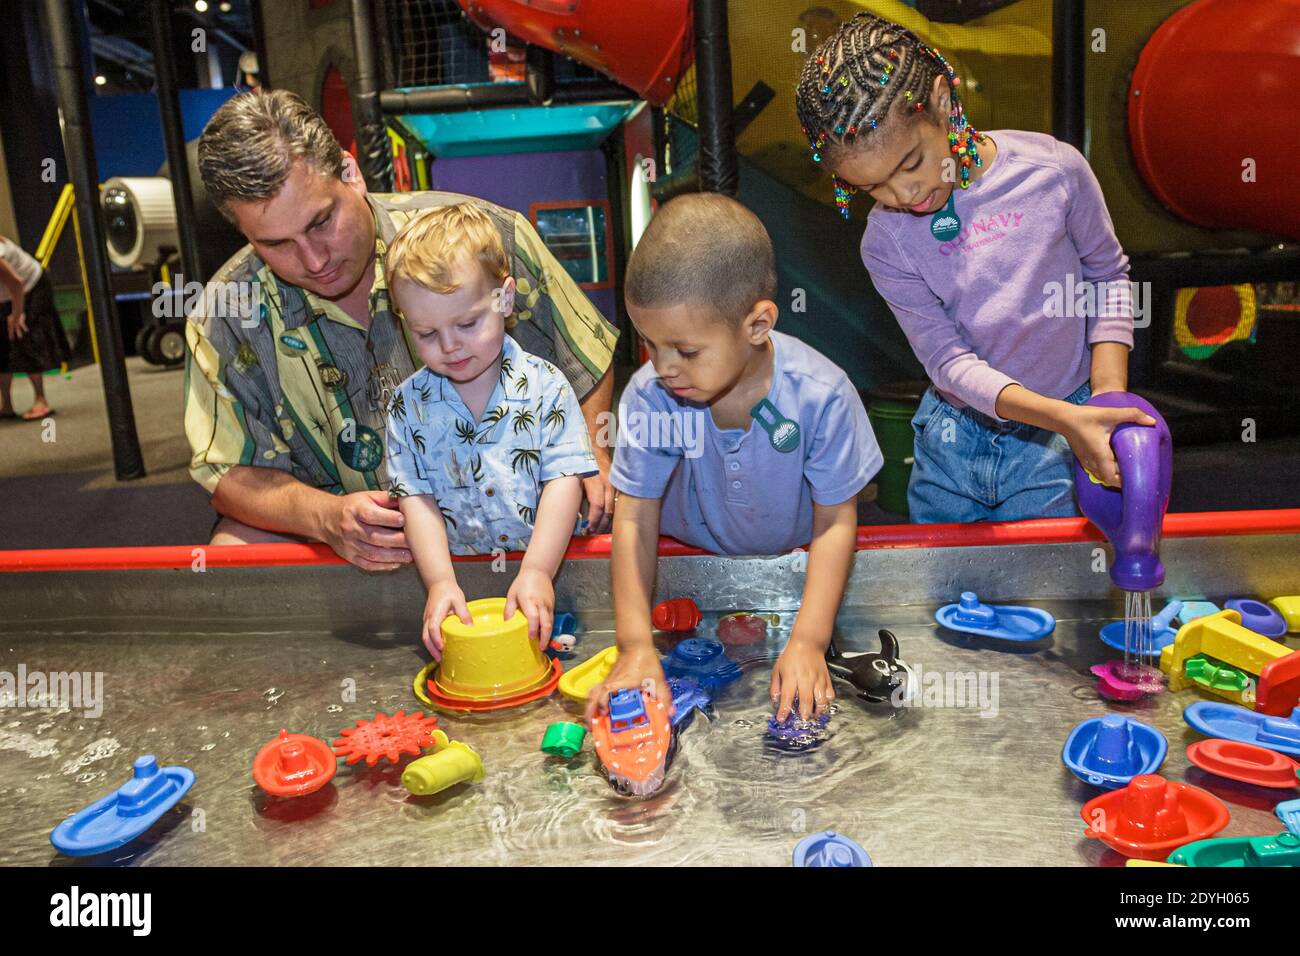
[(734, 438), (487, 445)]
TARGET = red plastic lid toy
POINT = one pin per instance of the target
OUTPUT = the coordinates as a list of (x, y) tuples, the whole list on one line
[(386, 737), (742, 629), (1245, 762), (446, 702), (678, 614), (294, 765), (1152, 817)]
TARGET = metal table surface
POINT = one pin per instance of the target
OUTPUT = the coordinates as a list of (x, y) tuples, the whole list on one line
[(928, 785)]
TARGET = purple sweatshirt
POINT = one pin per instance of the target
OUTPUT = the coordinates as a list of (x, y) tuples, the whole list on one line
[(1034, 277)]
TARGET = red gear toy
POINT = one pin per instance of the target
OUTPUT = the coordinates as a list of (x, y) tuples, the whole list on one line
[(386, 737)]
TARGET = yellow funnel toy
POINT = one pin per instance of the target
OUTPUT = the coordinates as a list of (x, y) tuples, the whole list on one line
[(1222, 637), (451, 762), (492, 658)]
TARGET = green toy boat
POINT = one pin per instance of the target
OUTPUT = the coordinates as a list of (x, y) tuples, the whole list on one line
[(1280, 850)]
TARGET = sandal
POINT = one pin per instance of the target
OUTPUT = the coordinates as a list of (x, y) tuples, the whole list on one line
[(27, 416)]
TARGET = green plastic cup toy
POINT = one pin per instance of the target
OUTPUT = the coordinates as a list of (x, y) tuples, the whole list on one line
[(564, 739)]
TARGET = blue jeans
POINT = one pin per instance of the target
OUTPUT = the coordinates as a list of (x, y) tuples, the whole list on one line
[(969, 467)]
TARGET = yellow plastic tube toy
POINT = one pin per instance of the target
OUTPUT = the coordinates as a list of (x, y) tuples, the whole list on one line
[(451, 762)]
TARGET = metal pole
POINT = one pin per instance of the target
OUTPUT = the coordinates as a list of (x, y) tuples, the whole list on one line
[(259, 44), (374, 155), (718, 167), (1067, 72), (169, 106), (64, 24)]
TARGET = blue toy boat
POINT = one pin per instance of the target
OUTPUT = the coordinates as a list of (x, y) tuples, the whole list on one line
[(1231, 722), (1008, 622), (703, 660), (1162, 635), (1288, 811), (1193, 608), (1110, 751), (829, 849), (688, 696), (126, 813)]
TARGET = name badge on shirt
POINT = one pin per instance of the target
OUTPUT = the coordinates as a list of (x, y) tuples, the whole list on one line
[(783, 433), (945, 223)]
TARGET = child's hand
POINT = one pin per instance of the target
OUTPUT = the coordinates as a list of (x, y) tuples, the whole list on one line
[(801, 672), (1088, 429), (533, 594), (636, 668), (445, 598)]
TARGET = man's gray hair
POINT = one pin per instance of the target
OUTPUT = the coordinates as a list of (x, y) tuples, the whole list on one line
[(250, 144)]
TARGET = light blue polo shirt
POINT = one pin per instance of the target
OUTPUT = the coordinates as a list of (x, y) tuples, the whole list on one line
[(487, 476), (732, 491)]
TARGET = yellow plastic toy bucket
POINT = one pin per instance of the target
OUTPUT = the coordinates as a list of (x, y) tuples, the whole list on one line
[(492, 658)]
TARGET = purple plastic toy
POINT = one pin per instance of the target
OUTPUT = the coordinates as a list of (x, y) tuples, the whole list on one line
[(796, 732), (1131, 517)]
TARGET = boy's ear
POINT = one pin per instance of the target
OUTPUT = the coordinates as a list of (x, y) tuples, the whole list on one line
[(503, 297), (760, 321)]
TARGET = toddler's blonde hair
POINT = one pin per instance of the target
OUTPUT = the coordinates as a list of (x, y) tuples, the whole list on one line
[(427, 249)]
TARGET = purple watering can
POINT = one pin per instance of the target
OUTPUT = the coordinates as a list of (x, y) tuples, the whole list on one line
[(1131, 517)]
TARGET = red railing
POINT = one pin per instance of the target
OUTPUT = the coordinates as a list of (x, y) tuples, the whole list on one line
[(1041, 531)]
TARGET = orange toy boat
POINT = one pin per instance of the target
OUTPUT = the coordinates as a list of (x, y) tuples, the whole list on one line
[(634, 741)]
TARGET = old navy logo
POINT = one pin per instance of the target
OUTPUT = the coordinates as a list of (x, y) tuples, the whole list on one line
[(783, 433), (946, 223), (982, 231)]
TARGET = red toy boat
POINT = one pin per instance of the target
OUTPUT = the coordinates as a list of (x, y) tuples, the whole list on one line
[(1152, 817), (294, 765), (1244, 762)]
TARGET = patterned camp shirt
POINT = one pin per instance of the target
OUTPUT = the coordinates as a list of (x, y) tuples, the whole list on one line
[(487, 475), (283, 379)]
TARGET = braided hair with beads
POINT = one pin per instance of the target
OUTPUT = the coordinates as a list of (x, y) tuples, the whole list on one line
[(852, 80)]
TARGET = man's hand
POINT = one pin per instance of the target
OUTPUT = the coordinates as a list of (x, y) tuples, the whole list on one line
[(801, 672), (17, 325), (445, 598), (533, 593), (600, 497), (1088, 429), (365, 529)]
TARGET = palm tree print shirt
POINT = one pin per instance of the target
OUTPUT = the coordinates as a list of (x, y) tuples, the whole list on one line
[(487, 476)]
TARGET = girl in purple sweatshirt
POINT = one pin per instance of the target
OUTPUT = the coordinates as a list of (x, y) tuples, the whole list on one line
[(997, 256)]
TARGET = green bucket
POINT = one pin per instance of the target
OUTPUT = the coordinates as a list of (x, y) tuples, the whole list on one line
[(890, 408)]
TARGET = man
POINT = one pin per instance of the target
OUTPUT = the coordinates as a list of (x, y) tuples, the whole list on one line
[(286, 393)]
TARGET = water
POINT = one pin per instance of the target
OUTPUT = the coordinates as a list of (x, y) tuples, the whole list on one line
[(920, 785), (1139, 644)]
